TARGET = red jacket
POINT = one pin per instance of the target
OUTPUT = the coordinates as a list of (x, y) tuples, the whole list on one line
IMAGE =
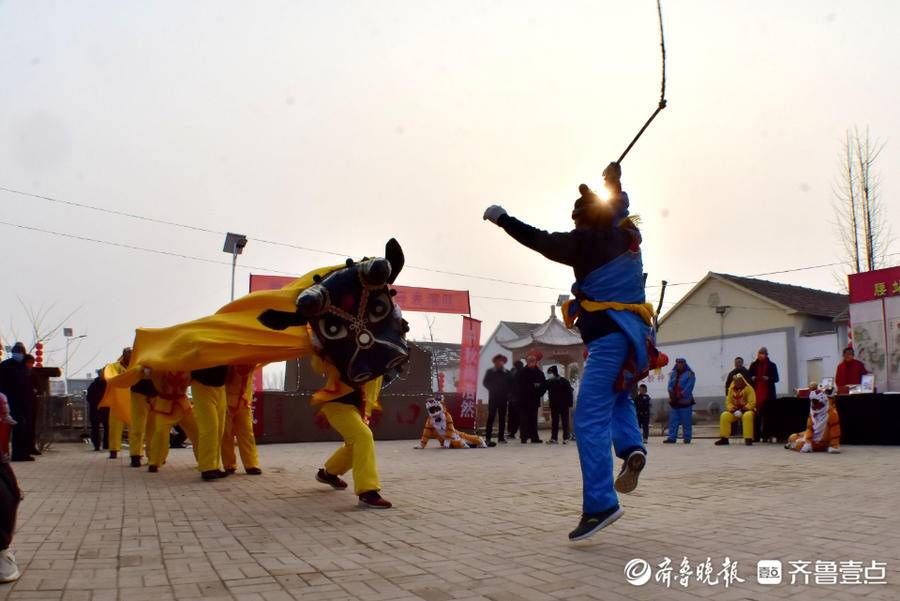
[(849, 373)]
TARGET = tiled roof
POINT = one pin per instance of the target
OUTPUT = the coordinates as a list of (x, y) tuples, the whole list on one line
[(521, 328), (803, 300)]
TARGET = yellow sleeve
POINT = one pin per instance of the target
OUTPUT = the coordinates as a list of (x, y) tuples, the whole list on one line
[(751, 399), (729, 401)]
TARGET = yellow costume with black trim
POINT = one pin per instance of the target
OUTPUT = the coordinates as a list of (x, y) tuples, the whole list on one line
[(239, 419), (209, 413), (234, 335), (170, 407), (140, 430)]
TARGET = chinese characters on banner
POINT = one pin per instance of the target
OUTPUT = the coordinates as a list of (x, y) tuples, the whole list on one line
[(875, 324), (432, 300), (468, 373)]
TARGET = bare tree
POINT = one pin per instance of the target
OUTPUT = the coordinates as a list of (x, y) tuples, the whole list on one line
[(861, 220)]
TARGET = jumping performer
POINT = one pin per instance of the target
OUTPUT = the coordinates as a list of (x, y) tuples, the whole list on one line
[(614, 320)]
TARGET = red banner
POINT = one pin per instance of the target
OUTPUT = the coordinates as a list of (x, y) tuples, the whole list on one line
[(409, 298), (468, 372), (874, 285)]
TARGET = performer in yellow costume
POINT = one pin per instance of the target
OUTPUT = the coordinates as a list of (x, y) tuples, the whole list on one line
[(343, 317), (740, 404), (208, 392), (168, 407), (239, 421), (117, 400), (140, 430)]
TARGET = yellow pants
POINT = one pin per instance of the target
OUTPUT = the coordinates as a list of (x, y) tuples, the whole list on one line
[(162, 424), (210, 408), (239, 424), (140, 430), (116, 427), (727, 419), (358, 452)]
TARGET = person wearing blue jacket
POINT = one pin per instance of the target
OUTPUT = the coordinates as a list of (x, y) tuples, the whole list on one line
[(614, 319), (681, 401)]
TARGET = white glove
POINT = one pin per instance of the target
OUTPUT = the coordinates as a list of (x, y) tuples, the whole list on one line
[(738, 413), (834, 450), (418, 446), (493, 213), (807, 448), (446, 444)]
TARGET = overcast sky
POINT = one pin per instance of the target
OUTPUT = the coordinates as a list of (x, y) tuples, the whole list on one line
[(336, 125)]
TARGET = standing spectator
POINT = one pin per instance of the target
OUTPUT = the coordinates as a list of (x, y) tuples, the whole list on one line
[(738, 369), (560, 393), (10, 495), (34, 405), (99, 416), (513, 407), (529, 387), (681, 401), (15, 383), (642, 406), (497, 381), (763, 377), (849, 371)]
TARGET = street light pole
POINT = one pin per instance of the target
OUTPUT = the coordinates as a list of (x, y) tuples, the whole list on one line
[(234, 245), (68, 333)]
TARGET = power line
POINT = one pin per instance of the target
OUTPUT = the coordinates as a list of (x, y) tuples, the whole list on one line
[(81, 205)]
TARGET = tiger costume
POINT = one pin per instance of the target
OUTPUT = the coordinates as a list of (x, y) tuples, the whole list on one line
[(823, 427), (439, 426)]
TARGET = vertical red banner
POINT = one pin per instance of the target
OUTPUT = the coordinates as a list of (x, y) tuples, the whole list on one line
[(468, 372)]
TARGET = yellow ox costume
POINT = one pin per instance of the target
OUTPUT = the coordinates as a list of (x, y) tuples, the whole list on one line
[(439, 426), (740, 404), (118, 401), (343, 317)]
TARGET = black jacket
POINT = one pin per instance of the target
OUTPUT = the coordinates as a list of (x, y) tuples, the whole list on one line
[(499, 384), (95, 394), (530, 386), (584, 251), (559, 392), (15, 383), (642, 404), (737, 370)]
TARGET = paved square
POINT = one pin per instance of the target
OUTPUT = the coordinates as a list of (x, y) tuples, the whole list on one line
[(467, 524)]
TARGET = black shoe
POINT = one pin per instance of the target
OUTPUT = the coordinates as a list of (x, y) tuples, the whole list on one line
[(135, 461), (536, 441), (153, 469), (254, 471), (524, 441), (35, 452), (96, 449), (208, 475), (230, 470), (721, 442), (491, 443), (113, 454), (331, 480), (224, 474), (552, 441), (686, 441), (748, 442), (373, 500), (668, 441), (502, 441), (592, 523), (22, 458), (627, 480)]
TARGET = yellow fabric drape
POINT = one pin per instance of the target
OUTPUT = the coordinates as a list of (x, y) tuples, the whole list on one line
[(117, 398), (231, 336)]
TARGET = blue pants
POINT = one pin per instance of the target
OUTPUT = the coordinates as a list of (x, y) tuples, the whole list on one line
[(681, 417), (604, 417)]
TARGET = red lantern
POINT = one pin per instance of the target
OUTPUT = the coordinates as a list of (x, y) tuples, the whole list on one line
[(39, 354)]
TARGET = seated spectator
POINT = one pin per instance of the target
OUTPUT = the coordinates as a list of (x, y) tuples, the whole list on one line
[(740, 404), (849, 371)]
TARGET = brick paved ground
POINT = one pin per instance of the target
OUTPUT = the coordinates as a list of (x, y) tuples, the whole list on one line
[(479, 524)]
